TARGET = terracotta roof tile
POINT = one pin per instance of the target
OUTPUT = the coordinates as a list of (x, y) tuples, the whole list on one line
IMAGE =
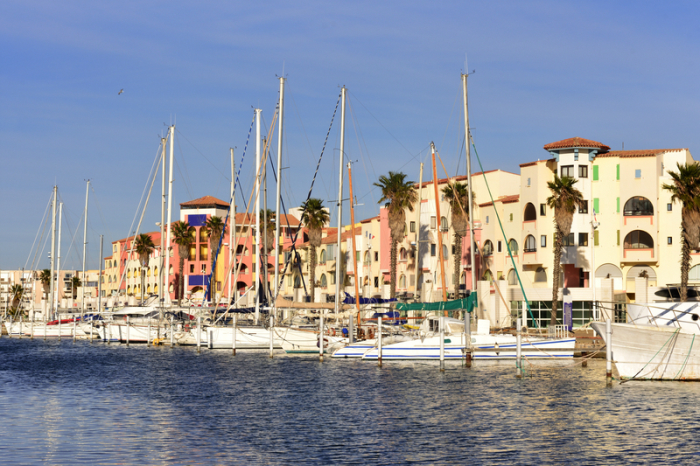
[(206, 201), (637, 153), (529, 164), (576, 142), (503, 200)]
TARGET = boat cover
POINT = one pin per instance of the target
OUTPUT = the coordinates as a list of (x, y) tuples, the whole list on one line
[(467, 304), (350, 299)]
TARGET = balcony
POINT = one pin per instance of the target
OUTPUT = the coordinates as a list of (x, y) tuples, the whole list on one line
[(530, 257), (638, 255)]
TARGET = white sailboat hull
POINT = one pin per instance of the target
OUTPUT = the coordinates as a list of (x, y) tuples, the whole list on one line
[(222, 338), (643, 352), (304, 341)]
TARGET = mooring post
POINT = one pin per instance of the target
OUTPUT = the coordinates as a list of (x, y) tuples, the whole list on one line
[(172, 330), (31, 328), (379, 341), (272, 333), (519, 348), (442, 343), (74, 329), (199, 332), (210, 338), (320, 339), (20, 327), (351, 329), (148, 335), (608, 352), (127, 331), (468, 339), (233, 345), (59, 326)]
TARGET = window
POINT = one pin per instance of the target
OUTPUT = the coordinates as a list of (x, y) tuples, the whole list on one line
[(540, 275), (530, 245), (638, 206), (568, 240), (443, 224), (568, 171), (669, 240), (402, 281), (376, 256), (324, 281), (488, 248), (204, 268), (499, 246), (453, 250), (512, 278), (530, 213), (413, 227), (583, 239), (583, 171), (638, 239), (332, 279), (322, 259), (583, 208), (444, 252), (669, 207), (595, 172), (513, 245), (376, 282), (432, 250), (433, 223), (511, 217), (637, 173), (528, 181), (487, 219), (402, 254), (543, 210)]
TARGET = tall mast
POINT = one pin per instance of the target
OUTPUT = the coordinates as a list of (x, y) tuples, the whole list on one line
[(266, 287), (338, 275), (420, 203), (166, 248), (163, 248), (354, 247), (232, 229), (439, 226), (278, 217), (87, 191), (257, 214), (49, 305), (58, 254), (99, 278), (467, 142)]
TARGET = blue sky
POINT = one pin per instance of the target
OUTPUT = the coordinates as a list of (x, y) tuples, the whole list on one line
[(545, 70)]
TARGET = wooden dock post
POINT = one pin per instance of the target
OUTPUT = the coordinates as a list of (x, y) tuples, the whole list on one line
[(608, 352)]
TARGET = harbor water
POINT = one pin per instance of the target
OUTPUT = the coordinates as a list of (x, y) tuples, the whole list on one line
[(81, 403)]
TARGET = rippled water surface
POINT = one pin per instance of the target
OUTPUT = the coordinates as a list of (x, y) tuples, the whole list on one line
[(81, 403)]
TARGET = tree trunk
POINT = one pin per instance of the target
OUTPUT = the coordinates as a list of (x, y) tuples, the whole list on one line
[(312, 272), (392, 283), (685, 267), (181, 282), (556, 270), (457, 258), (213, 244), (143, 282)]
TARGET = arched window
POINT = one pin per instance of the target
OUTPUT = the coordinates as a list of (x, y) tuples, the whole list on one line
[(512, 277), (322, 259), (530, 244), (128, 290), (365, 281), (638, 205), (155, 289), (203, 235), (530, 212), (109, 279), (149, 272), (171, 270), (638, 239), (540, 275), (443, 224), (172, 288), (324, 280), (243, 270), (402, 281), (513, 245), (155, 271), (241, 250), (694, 274), (368, 257), (488, 248), (149, 289), (402, 254)]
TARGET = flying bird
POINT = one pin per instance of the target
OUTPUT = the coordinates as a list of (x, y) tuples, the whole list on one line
[(120, 92)]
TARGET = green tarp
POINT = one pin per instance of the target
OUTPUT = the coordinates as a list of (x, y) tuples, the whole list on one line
[(467, 303)]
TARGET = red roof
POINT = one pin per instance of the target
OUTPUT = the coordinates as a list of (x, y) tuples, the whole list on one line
[(637, 153), (529, 164), (576, 142), (503, 200), (330, 239), (206, 201)]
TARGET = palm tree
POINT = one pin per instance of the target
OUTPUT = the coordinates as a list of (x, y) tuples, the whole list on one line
[(183, 236), (314, 218), (143, 245), (16, 291), (686, 190), (565, 199), (45, 279), (458, 197), (399, 195), (215, 228), (75, 283)]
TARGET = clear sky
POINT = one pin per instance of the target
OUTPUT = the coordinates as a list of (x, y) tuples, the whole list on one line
[(615, 72)]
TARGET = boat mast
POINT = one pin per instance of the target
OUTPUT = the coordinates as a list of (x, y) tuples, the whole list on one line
[(439, 226), (338, 276), (418, 241), (232, 228), (166, 248), (161, 275), (354, 247), (49, 305), (265, 283), (278, 219), (99, 277), (58, 254), (87, 191), (469, 210), (257, 213)]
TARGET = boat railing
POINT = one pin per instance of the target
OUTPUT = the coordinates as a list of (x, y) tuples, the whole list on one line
[(557, 332)]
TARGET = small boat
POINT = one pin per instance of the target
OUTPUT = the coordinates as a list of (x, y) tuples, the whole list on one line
[(132, 324), (484, 345)]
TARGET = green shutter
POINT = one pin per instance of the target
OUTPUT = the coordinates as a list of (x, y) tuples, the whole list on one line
[(595, 238), (595, 172), (511, 217), (618, 237), (618, 171), (596, 205), (618, 205)]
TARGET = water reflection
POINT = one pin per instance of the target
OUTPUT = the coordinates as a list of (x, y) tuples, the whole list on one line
[(66, 403)]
